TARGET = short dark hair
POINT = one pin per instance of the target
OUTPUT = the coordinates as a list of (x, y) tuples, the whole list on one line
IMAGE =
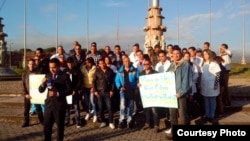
[(225, 45), (162, 51), (176, 47), (70, 60), (90, 60), (207, 43), (40, 50), (55, 60), (192, 48), (137, 45), (93, 43), (117, 46)]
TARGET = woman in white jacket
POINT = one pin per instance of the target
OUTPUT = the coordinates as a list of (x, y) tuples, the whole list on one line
[(210, 87)]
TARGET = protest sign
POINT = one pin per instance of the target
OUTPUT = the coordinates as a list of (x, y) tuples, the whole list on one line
[(35, 81), (158, 90)]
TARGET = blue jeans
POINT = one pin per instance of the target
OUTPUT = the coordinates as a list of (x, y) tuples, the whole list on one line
[(76, 99), (33, 108), (210, 106), (93, 103), (126, 104), (147, 112), (105, 97), (86, 100)]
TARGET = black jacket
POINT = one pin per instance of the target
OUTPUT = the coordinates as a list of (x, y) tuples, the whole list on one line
[(76, 79), (103, 81), (62, 85)]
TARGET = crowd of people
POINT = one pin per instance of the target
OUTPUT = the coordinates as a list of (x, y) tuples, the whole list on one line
[(110, 80)]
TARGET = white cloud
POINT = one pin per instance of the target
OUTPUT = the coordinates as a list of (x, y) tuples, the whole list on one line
[(48, 9), (113, 3)]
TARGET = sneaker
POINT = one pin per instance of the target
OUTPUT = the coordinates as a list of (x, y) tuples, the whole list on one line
[(156, 128), (87, 117), (146, 126), (92, 111), (103, 124), (112, 126), (168, 131), (78, 125), (94, 118)]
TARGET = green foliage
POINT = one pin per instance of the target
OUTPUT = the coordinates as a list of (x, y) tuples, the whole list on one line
[(27, 50), (50, 50), (240, 71), (19, 70)]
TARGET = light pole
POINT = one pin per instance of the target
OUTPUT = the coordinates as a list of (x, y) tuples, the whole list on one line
[(117, 32), (210, 23), (243, 60), (10, 53), (87, 24), (56, 24), (24, 47)]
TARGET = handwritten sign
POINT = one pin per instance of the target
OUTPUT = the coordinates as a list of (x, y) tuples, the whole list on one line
[(158, 90), (35, 82)]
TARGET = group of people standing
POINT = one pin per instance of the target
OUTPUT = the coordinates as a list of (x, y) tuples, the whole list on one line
[(110, 80)]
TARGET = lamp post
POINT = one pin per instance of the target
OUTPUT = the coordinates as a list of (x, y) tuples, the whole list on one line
[(24, 46), (10, 53), (56, 24), (243, 60), (210, 23), (117, 32), (87, 24)]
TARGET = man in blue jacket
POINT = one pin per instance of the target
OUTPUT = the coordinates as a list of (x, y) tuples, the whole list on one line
[(126, 82)]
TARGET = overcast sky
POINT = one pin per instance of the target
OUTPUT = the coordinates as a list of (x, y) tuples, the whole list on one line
[(106, 18)]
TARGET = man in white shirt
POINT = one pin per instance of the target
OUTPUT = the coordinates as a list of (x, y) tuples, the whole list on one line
[(226, 55), (139, 63), (60, 51), (133, 58), (164, 63)]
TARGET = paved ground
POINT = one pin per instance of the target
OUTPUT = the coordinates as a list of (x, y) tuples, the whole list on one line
[(11, 111), (12, 131)]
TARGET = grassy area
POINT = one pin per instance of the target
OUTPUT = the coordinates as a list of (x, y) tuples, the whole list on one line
[(19, 70), (240, 71)]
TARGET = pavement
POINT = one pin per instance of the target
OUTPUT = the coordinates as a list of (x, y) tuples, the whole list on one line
[(11, 117)]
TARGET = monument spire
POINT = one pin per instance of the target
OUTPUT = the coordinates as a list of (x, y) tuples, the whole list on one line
[(154, 28), (3, 48)]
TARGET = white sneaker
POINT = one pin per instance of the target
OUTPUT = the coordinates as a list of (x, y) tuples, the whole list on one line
[(94, 118), (169, 131), (87, 117), (92, 111), (112, 126), (103, 124)]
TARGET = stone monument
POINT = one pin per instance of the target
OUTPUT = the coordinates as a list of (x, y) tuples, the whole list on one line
[(3, 48), (154, 29), (6, 73)]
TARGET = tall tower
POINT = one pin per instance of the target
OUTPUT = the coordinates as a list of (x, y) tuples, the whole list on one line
[(154, 28), (3, 48)]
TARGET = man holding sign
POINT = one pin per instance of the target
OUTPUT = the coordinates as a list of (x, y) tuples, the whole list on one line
[(27, 97), (183, 82), (149, 70)]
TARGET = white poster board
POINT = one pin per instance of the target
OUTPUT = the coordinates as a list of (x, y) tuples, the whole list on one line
[(158, 90), (35, 81)]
